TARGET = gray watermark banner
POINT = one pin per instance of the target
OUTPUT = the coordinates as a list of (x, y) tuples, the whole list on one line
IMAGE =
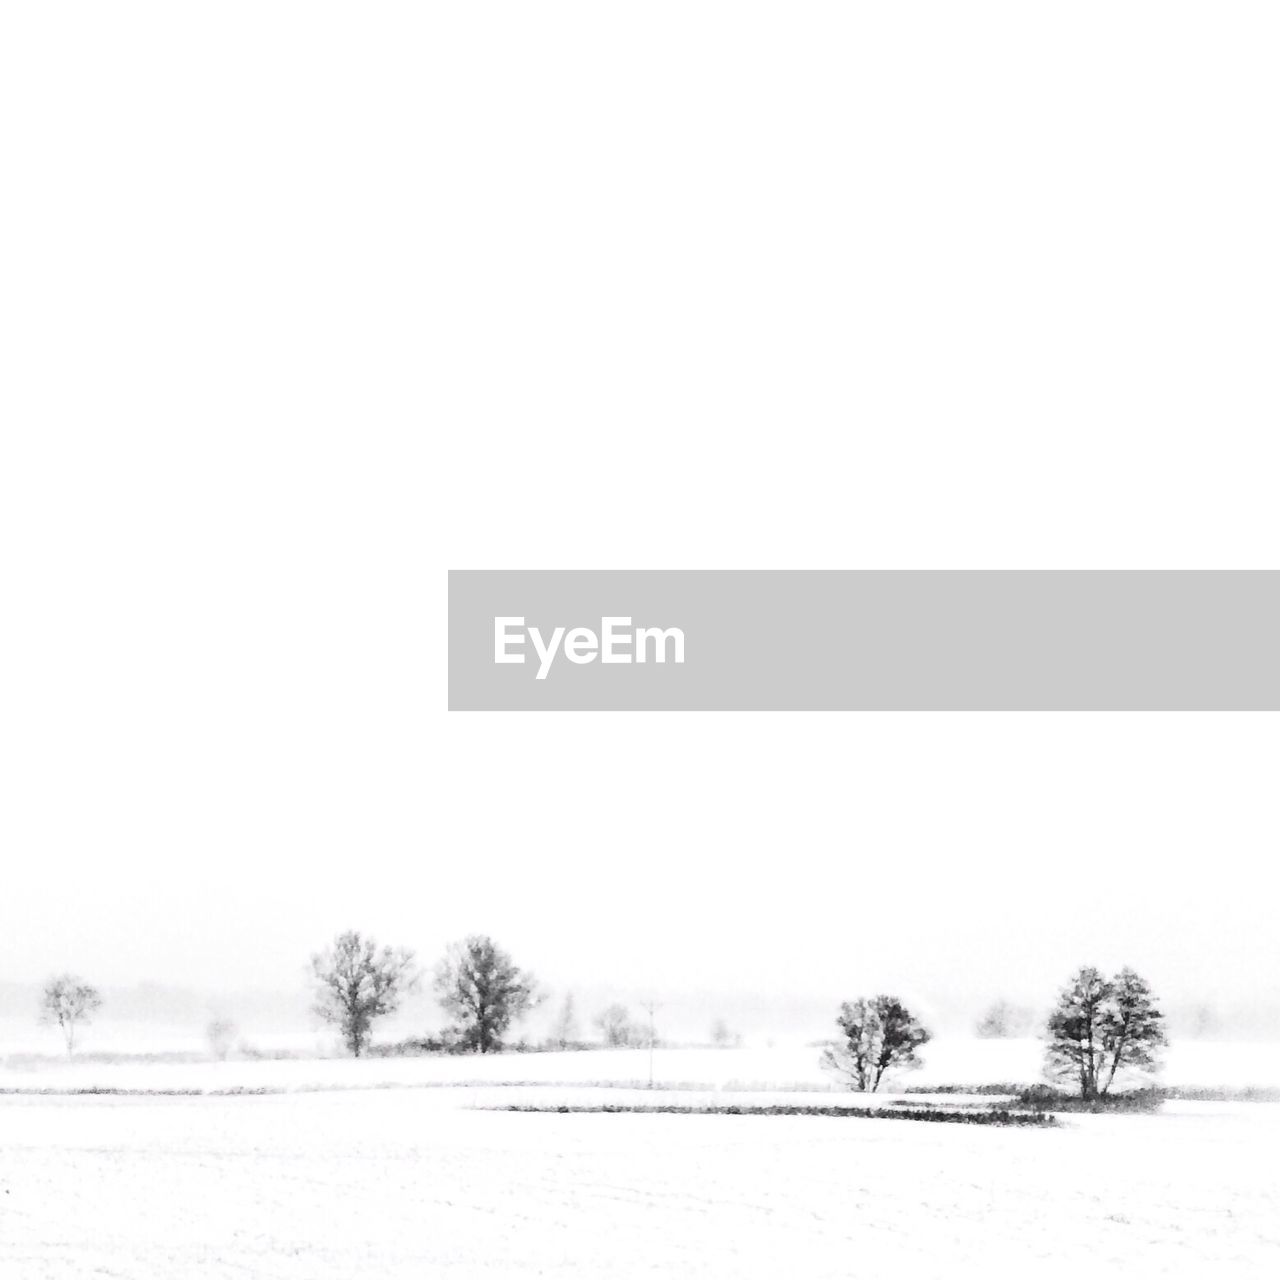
[(979, 640)]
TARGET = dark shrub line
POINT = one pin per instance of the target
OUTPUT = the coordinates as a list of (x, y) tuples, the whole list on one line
[(1032, 1099), (935, 1115), (1042, 1098), (1261, 1093), (233, 1091), (1133, 1099), (977, 1090)]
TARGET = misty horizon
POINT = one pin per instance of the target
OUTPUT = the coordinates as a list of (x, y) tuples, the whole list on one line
[(791, 861), (684, 1016)]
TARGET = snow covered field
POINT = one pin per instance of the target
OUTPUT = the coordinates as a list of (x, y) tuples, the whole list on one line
[(946, 1062), (413, 1183), (360, 1177)]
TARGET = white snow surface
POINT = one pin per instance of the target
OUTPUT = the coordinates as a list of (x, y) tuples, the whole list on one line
[(956, 1061), (354, 1172)]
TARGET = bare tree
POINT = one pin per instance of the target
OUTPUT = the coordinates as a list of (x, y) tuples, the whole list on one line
[(723, 1036), (645, 1031), (565, 1031), (1133, 1033), (1075, 1030), (67, 1002), (1103, 1026), (221, 1035), (1003, 1021), (485, 991), (878, 1035), (1205, 1022), (616, 1027), (358, 981)]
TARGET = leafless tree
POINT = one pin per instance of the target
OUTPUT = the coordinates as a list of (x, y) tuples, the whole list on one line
[(485, 991), (1205, 1022), (221, 1034), (67, 1002), (877, 1035), (565, 1031), (1003, 1021), (358, 981), (723, 1036), (616, 1027)]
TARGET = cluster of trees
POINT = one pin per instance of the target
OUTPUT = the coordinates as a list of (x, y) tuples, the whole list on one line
[(723, 1036), (619, 1030), (1100, 1028), (69, 1003), (477, 983), (357, 981)]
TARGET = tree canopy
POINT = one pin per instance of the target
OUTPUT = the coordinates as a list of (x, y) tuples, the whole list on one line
[(1102, 1027), (877, 1035), (484, 991), (68, 1002), (358, 981)]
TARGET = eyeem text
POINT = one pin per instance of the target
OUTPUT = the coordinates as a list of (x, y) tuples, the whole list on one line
[(616, 641)]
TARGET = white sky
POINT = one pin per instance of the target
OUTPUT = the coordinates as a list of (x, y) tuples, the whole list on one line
[(303, 306)]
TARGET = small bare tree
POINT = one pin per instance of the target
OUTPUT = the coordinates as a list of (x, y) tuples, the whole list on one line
[(221, 1034), (67, 1002), (723, 1036), (1003, 1021), (565, 1031), (358, 981), (616, 1027), (1205, 1022), (878, 1035)]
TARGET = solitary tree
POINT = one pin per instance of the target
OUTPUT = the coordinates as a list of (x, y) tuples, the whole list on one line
[(68, 1002), (358, 981), (485, 991), (565, 1031), (1101, 1027), (877, 1035), (1003, 1020), (645, 1034), (1205, 1022), (616, 1028), (723, 1036), (221, 1034)]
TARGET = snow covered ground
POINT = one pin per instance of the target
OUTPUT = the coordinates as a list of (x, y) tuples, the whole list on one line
[(353, 1171), (946, 1062), (410, 1183)]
